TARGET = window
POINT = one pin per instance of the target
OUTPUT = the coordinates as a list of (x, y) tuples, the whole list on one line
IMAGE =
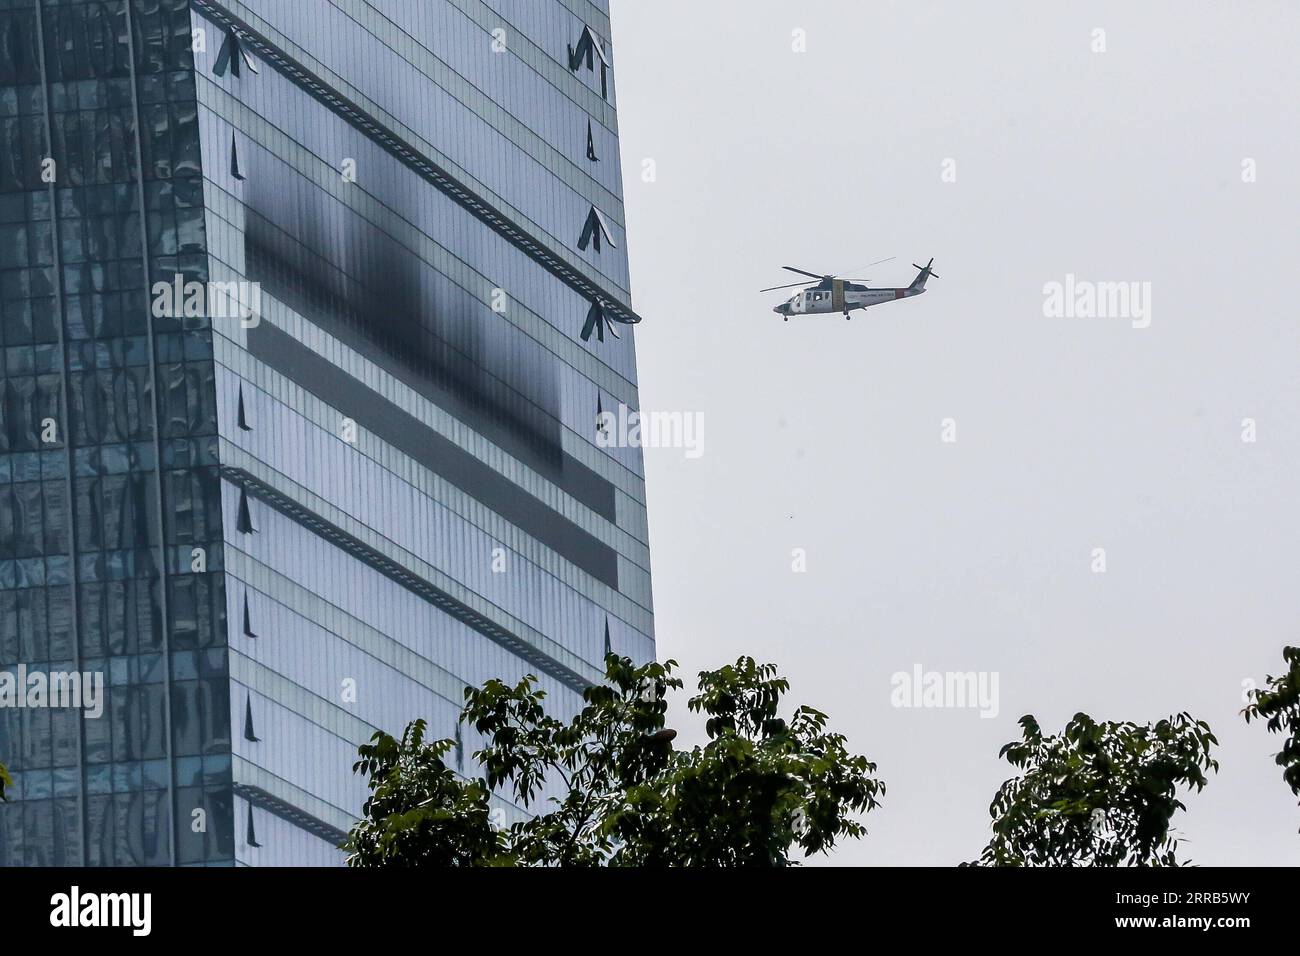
[(243, 412), (597, 324), (595, 229), (233, 55), (234, 159), (244, 520), (252, 833), (249, 733), (589, 50)]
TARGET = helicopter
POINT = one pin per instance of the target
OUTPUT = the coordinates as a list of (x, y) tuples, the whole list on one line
[(825, 294)]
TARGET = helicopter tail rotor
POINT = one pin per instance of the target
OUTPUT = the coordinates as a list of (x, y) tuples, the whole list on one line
[(926, 272)]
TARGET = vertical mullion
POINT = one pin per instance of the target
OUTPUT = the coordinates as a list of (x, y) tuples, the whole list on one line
[(156, 386), (66, 424)]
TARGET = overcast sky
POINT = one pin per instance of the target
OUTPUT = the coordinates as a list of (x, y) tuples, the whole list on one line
[(1072, 433)]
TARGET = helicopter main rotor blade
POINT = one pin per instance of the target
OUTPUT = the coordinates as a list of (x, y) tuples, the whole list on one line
[(869, 265), (792, 285), (803, 272)]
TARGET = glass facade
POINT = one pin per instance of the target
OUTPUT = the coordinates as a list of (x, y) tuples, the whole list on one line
[(297, 415)]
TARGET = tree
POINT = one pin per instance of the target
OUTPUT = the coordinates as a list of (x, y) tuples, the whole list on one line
[(1099, 794), (1279, 705), (607, 788), (419, 812)]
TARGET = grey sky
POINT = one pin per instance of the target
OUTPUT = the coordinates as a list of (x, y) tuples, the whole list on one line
[(1072, 434)]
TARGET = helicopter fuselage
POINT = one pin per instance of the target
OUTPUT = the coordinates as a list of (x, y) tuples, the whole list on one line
[(838, 295)]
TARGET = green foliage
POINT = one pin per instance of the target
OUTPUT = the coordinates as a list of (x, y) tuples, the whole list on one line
[(607, 788), (1279, 705), (1099, 794), (5, 782), (759, 788), (613, 745), (419, 812)]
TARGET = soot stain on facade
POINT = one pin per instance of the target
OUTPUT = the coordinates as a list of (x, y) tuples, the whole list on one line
[(163, 476)]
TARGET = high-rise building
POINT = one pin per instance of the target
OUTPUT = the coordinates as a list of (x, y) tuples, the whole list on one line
[(309, 312)]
